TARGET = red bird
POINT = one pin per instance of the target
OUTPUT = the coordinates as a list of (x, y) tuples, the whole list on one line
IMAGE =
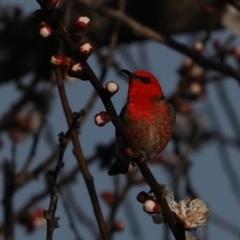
[(148, 117)]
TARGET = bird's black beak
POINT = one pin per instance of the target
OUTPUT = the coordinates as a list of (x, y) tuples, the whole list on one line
[(130, 74)]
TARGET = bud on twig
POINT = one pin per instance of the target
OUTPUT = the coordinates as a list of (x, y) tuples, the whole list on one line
[(112, 88), (151, 206), (108, 197), (82, 23), (85, 51), (142, 197), (101, 119), (119, 226), (76, 70), (198, 47), (60, 60), (45, 30)]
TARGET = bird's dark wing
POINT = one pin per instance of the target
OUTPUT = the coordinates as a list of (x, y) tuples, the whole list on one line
[(122, 117), (118, 167)]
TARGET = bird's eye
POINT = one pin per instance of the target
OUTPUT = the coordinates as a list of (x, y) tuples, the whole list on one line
[(144, 79)]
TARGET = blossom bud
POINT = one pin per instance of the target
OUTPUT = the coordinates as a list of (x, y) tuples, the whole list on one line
[(119, 226), (151, 206), (198, 47), (76, 70), (85, 51), (82, 23), (195, 88), (101, 119), (45, 31), (142, 197), (108, 197), (60, 60), (112, 88)]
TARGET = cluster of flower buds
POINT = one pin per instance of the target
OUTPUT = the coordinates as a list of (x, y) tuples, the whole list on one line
[(194, 77), (26, 122), (32, 221), (150, 204), (195, 88), (102, 118), (74, 68)]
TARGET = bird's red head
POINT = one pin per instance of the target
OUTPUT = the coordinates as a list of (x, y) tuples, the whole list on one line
[(143, 86)]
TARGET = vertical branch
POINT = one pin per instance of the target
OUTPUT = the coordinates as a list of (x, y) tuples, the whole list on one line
[(80, 158), (52, 221)]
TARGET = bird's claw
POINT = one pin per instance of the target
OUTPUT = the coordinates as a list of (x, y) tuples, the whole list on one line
[(139, 155)]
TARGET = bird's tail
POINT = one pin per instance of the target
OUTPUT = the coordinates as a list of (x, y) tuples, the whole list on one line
[(118, 167)]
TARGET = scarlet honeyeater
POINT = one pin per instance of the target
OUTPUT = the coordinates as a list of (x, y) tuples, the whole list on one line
[(148, 117)]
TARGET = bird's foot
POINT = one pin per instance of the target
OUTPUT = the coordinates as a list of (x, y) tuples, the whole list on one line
[(140, 155)]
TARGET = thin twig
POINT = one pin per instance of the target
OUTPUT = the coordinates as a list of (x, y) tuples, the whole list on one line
[(148, 33), (52, 221)]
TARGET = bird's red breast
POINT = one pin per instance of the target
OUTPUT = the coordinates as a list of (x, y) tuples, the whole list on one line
[(148, 117)]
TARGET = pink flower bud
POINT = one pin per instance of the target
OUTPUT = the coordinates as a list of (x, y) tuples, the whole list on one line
[(32, 221), (101, 119), (112, 88), (38, 218), (151, 206), (45, 30), (60, 60), (108, 197), (198, 47), (82, 23), (76, 70), (119, 226), (195, 88), (142, 197), (187, 63), (85, 51)]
